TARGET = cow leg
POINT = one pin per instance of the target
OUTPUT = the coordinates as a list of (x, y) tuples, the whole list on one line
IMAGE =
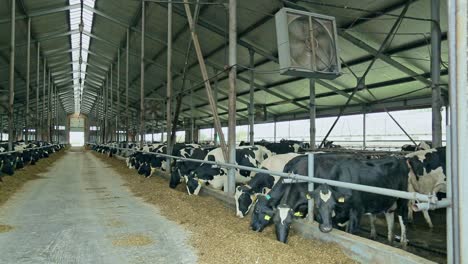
[(410, 211), (390, 217), (428, 218), (373, 233), (403, 239), (354, 219)]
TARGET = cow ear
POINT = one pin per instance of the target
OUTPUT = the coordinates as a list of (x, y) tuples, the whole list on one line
[(341, 197)]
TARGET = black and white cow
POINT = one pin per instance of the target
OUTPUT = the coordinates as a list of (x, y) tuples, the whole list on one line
[(282, 147), (277, 208), (423, 145), (261, 183), (216, 176), (427, 175), (390, 173), (182, 168)]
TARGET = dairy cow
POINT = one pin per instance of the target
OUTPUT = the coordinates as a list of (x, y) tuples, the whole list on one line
[(216, 176), (427, 175), (279, 205), (390, 173), (182, 168), (261, 183)]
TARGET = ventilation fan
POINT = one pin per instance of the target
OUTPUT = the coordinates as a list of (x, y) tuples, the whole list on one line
[(307, 44)]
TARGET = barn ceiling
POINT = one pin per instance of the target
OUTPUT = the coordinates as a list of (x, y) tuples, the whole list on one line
[(399, 79)]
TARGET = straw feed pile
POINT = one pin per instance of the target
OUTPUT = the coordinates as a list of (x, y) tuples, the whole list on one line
[(12, 183), (5, 228), (132, 240), (217, 234)]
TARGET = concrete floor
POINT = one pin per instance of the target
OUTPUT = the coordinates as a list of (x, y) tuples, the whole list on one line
[(81, 213)]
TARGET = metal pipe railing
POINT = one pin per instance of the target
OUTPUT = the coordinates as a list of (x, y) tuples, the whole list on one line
[(14, 151), (432, 199)]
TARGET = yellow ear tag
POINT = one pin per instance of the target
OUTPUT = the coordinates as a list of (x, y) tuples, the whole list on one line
[(299, 214), (308, 197), (200, 182), (267, 217), (341, 200)]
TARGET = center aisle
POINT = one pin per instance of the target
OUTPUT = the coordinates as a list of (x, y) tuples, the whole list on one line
[(80, 212)]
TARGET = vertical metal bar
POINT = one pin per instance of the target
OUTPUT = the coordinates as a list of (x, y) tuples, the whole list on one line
[(364, 128), (111, 130), (104, 131), (274, 131), (117, 120), (12, 76), (192, 109), (49, 110), (312, 113), (215, 95), (435, 74), (232, 94), (43, 100), (170, 136), (449, 210), (38, 64), (127, 114), (458, 101), (142, 76), (162, 121), (310, 186), (251, 97), (28, 65)]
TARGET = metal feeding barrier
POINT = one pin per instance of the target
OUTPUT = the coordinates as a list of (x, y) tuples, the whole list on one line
[(14, 151), (426, 202)]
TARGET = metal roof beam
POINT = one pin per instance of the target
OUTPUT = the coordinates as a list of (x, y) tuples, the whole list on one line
[(42, 12), (361, 44)]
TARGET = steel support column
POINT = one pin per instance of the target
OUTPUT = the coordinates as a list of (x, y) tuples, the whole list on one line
[(49, 109), (251, 97), (28, 65), (457, 215), (192, 120), (231, 185), (435, 74), (127, 52), (11, 98), (215, 96), (38, 70), (111, 129), (43, 100), (170, 137), (142, 76), (312, 113), (364, 113), (117, 120)]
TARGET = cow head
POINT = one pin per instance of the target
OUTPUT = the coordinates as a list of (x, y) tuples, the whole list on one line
[(262, 214), (325, 200), (247, 159), (416, 166), (193, 185), (282, 219), (245, 197), (175, 178)]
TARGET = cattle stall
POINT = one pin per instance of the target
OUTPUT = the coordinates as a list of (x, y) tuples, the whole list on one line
[(247, 101)]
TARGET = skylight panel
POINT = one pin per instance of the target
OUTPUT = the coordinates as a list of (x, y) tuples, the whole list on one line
[(80, 44)]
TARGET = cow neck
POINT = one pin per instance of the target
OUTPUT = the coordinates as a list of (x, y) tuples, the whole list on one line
[(286, 193)]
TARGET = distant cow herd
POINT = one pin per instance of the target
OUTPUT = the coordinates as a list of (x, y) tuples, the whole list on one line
[(23, 155), (271, 200)]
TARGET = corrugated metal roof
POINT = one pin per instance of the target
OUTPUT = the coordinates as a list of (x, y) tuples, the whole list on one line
[(284, 97)]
